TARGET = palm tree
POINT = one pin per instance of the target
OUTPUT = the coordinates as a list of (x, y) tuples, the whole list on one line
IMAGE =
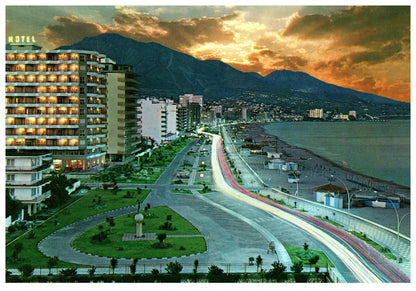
[(259, 261), (113, 263)]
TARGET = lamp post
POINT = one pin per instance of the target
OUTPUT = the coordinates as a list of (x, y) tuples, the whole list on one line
[(349, 200), (399, 220)]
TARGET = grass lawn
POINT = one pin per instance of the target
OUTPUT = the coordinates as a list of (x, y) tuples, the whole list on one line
[(181, 191), (94, 202), (384, 250), (113, 246), (294, 252)]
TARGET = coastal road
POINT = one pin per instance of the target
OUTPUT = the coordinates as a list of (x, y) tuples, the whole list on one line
[(365, 263)]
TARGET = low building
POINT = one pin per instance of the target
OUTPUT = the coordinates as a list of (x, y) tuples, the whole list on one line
[(274, 164), (25, 177), (274, 155), (320, 192)]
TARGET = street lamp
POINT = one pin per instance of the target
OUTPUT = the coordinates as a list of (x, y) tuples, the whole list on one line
[(399, 220), (349, 200)]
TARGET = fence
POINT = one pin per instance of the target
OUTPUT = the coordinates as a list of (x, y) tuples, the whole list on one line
[(398, 243)]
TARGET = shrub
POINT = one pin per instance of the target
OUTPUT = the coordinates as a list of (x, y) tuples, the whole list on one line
[(173, 267), (26, 270)]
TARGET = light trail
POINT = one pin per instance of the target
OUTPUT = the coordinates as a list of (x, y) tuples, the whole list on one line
[(364, 272)]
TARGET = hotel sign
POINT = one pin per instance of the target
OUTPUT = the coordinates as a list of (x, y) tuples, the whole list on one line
[(22, 38)]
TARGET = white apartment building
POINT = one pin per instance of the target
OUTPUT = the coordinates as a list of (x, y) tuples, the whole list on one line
[(24, 178), (157, 119), (316, 113)]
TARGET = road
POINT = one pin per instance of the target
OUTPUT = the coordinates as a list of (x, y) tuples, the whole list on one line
[(234, 225), (365, 263)]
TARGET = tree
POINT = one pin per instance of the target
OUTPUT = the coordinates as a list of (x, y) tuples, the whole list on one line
[(305, 247), (113, 264), (259, 261), (297, 267), (133, 266), (26, 270), (196, 263), (277, 271), (313, 260), (13, 207), (52, 262), (215, 274), (59, 195), (173, 268), (161, 237)]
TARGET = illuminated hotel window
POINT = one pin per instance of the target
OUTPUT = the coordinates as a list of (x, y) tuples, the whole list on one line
[(20, 68), (9, 141), (30, 78), (41, 78), (10, 79), (52, 89), (20, 78), (52, 78), (53, 100), (31, 57), (41, 89), (20, 57), (52, 121), (62, 57), (42, 56), (51, 110), (10, 57), (10, 120), (63, 78), (74, 56), (63, 68), (10, 89), (42, 121), (41, 67), (73, 67)]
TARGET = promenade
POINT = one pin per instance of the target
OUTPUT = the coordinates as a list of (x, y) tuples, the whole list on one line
[(315, 172)]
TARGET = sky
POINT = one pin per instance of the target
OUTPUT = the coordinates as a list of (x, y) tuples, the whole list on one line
[(366, 48)]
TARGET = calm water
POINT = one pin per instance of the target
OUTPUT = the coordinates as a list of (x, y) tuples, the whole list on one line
[(379, 149)]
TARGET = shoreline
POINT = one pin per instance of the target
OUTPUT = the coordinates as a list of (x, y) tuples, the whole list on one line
[(267, 139), (334, 164)]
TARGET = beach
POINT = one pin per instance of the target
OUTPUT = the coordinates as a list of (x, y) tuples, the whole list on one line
[(316, 171)]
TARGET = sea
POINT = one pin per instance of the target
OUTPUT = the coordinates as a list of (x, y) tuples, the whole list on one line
[(379, 149)]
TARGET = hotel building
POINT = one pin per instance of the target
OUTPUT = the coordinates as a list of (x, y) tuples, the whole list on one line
[(55, 102), (122, 96)]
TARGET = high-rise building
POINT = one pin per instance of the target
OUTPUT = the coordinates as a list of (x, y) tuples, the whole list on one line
[(316, 113), (158, 119), (55, 101), (122, 97)]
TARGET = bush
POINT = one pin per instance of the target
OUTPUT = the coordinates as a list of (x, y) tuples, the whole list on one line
[(173, 267), (26, 270)]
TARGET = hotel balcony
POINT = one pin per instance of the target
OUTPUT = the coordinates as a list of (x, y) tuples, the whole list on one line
[(50, 101)]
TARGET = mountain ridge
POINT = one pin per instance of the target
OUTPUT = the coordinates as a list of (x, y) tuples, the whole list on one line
[(166, 72)]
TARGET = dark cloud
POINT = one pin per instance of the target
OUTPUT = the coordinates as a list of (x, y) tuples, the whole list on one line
[(69, 31), (179, 35), (366, 27), (293, 63)]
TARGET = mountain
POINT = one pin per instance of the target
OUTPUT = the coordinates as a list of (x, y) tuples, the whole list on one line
[(166, 72)]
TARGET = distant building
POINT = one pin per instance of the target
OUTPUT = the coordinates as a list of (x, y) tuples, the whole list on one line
[(342, 117), (186, 99), (25, 177), (316, 113), (122, 96), (353, 113), (158, 119)]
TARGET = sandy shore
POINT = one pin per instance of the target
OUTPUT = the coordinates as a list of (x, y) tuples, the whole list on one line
[(315, 171)]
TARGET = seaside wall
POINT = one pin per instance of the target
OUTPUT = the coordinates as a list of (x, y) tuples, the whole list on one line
[(398, 244)]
